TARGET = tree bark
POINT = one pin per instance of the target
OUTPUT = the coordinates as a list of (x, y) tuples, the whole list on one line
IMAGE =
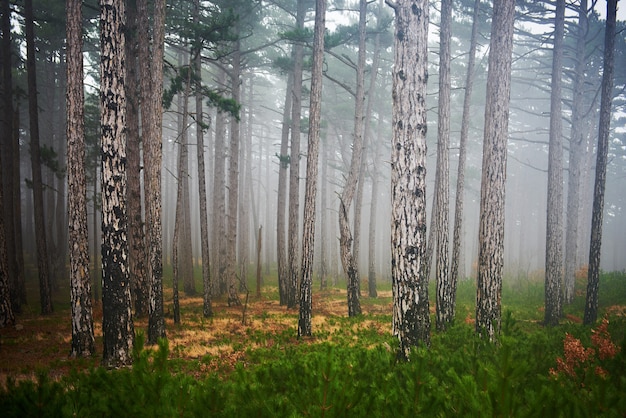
[(576, 154), (445, 295), (45, 290), (491, 225), (411, 319), (207, 308), (117, 321), (7, 318), (308, 229), (294, 166), (348, 260), (593, 274), (233, 182), (554, 222), (460, 186), (136, 236), (83, 343), (152, 92), (11, 169)]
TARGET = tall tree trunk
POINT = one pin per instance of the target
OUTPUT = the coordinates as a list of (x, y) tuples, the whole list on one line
[(593, 274), (207, 309), (350, 264), (136, 237), (445, 297), (576, 153), (184, 232), (45, 290), (283, 165), (411, 319), (323, 221), (233, 182), (219, 198), (491, 232), (294, 167), (83, 343), (375, 146), (152, 92), (117, 322), (554, 222), (308, 229), (460, 185), (11, 169), (7, 318)]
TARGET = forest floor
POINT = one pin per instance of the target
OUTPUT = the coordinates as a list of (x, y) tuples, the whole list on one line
[(200, 346)]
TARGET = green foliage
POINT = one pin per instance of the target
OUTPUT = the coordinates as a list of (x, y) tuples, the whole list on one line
[(350, 369)]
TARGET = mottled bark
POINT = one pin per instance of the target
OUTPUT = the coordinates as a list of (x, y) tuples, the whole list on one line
[(152, 120), (465, 125), (83, 343), (136, 236), (554, 222), (43, 266), (593, 274), (293, 240), (576, 154), (348, 260), (308, 228), (219, 199), (411, 319), (491, 225), (118, 332), (445, 292)]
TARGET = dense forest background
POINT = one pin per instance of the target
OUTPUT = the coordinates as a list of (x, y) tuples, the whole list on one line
[(229, 72)]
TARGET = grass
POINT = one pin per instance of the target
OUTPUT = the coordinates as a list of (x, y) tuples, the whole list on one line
[(348, 367)]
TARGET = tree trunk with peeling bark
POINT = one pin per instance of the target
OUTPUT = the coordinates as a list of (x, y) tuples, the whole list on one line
[(411, 319), (308, 229), (445, 295), (83, 343), (118, 332), (491, 225)]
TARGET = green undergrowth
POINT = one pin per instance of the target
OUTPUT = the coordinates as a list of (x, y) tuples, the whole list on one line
[(459, 375), (349, 368)]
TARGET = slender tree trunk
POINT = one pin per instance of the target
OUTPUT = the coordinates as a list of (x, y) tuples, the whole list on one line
[(576, 153), (294, 167), (83, 343), (45, 290), (7, 318), (184, 232), (308, 230), (152, 92), (207, 309), (554, 222), (117, 321), (323, 221), (11, 169), (411, 319), (593, 274), (491, 232), (445, 297), (349, 262), (460, 185), (219, 196), (136, 237), (233, 183), (283, 165)]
